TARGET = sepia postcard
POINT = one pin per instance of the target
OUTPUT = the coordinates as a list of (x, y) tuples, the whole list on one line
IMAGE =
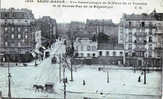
[(81, 49)]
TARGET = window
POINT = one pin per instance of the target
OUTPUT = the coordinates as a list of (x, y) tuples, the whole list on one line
[(12, 29), (133, 54), (77, 48), (19, 29), (126, 54), (19, 44), (76, 54), (114, 53), (12, 36), (150, 54), (129, 24), (93, 48), (107, 53), (130, 33), (6, 43), (26, 36), (143, 24), (88, 48), (121, 53), (81, 54), (6, 29), (81, 48), (130, 36), (88, 55), (100, 53), (94, 55), (19, 36), (130, 46), (150, 39), (150, 46), (26, 29), (130, 39)]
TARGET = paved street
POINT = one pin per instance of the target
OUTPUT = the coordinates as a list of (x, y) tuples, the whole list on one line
[(123, 84)]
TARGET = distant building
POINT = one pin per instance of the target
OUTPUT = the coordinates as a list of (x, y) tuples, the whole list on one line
[(159, 40), (75, 28), (17, 33), (62, 29), (102, 26), (85, 46), (48, 27), (38, 39), (138, 34), (112, 53)]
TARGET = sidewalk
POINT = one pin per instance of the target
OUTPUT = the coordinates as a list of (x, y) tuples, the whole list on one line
[(12, 64)]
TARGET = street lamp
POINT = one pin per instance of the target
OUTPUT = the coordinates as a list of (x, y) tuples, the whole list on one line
[(9, 78), (64, 82)]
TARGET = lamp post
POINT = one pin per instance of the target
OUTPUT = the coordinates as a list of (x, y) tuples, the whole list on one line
[(107, 76), (60, 61), (9, 82), (64, 82), (9, 78)]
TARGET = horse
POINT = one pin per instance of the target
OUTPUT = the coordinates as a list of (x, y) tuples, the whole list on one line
[(38, 87)]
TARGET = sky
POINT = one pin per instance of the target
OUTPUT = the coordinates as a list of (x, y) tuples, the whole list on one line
[(81, 14)]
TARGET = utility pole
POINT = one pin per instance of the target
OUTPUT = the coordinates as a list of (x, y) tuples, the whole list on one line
[(71, 70), (60, 61), (64, 82), (107, 76), (145, 76), (9, 81), (63, 71)]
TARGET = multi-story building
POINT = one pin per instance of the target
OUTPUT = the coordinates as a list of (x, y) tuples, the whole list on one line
[(62, 29), (138, 34), (17, 33), (38, 39), (102, 26), (159, 39), (48, 27), (85, 46), (75, 28)]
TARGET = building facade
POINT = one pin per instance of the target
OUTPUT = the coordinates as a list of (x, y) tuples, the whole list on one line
[(159, 44), (48, 27), (38, 39), (113, 54), (138, 34), (102, 26), (85, 47), (17, 32)]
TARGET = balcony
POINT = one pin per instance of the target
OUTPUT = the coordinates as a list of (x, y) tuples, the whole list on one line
[(139, 26), (140, 34), (159, 48), (143, 42), (142, 49)]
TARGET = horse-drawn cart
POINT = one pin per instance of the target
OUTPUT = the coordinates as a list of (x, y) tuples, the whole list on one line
[(49, 87)]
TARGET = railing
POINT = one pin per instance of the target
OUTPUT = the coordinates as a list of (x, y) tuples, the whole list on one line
[(140, 49), (139, 26), (140, 34), (140, 42)]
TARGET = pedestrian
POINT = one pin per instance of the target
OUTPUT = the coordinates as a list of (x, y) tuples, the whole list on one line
[(139, 79), (101, 93), (83, 82)]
